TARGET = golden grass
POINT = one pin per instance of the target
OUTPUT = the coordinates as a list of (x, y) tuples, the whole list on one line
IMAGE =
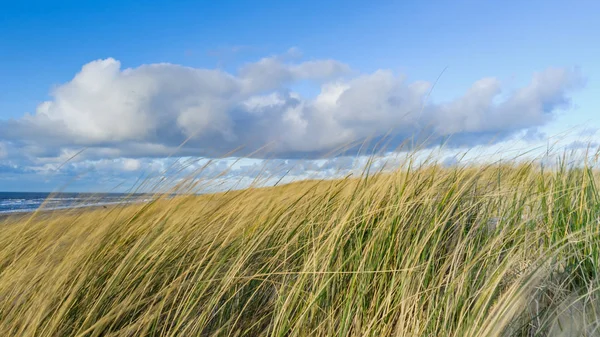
[(493, 250)]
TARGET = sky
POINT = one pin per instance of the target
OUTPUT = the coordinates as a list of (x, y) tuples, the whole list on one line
[(98, 95)]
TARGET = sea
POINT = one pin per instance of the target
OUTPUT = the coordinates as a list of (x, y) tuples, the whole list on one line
[(13, 202)]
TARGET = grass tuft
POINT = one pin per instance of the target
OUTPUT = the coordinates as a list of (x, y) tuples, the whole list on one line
[(495, 250)]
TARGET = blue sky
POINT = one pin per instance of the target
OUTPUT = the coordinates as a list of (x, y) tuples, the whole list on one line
[(271, 68)]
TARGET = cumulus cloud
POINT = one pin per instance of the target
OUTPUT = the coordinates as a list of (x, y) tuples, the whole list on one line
[(131, 164), (149, 111)]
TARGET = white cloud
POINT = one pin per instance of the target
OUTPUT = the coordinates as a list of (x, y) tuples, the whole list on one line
[(150, 110), (131, 164)]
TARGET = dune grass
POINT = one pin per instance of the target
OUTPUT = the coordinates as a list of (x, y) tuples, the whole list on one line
[(496, 250)]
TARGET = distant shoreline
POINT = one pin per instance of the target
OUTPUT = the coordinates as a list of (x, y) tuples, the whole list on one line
[(83, 205), (18, 215)]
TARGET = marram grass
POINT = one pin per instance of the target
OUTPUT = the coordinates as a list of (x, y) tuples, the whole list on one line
[(498, 250)]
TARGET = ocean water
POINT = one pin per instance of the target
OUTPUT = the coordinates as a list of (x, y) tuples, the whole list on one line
[(11, 202)]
